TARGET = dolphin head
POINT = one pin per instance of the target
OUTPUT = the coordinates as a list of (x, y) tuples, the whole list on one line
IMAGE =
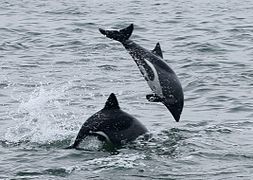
[(176, 111), (175, 105)]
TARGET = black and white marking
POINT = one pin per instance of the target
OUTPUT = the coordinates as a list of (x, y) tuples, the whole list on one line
[(111, 125), (160, 77)]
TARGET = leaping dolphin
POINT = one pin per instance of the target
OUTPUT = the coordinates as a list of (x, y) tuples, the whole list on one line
[(111, 125), (160, 77)]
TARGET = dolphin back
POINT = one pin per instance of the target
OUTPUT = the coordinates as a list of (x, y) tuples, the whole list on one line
[(121, 35)]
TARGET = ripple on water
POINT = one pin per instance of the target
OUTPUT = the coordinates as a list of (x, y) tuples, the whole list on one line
[(60, 172), (3, 85), (8, 46), (64, 62), (29, 65), (209, 48), (107, 67), (241, 108), (66, 11), (222, 155)]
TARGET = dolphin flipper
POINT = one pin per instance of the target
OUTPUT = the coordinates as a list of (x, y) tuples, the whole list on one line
[(121, 35), (153, 98)]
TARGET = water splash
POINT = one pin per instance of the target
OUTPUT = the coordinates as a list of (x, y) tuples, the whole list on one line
[(41, 118)]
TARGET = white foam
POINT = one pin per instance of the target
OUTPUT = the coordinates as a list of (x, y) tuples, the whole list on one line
[(41, 118), (119, 160), (90, 143)]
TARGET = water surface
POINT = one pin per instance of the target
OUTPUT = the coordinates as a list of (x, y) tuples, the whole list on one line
[(57, 70)]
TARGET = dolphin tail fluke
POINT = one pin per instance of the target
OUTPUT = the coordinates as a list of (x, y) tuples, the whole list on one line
[(121, 35)]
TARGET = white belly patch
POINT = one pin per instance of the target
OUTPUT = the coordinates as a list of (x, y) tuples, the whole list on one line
[(155, 84), (101, 133)]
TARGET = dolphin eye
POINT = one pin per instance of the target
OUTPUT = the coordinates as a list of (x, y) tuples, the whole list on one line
[(173, 99), (171, 96)]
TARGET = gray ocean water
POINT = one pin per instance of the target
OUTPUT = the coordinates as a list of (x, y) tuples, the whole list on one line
[(56, 70)]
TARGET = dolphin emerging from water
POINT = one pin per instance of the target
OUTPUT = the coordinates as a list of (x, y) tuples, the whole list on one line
[(111, 125), (160, 77)]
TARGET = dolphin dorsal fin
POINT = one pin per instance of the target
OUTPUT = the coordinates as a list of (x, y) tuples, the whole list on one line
[(112, 102), (157, 50)]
